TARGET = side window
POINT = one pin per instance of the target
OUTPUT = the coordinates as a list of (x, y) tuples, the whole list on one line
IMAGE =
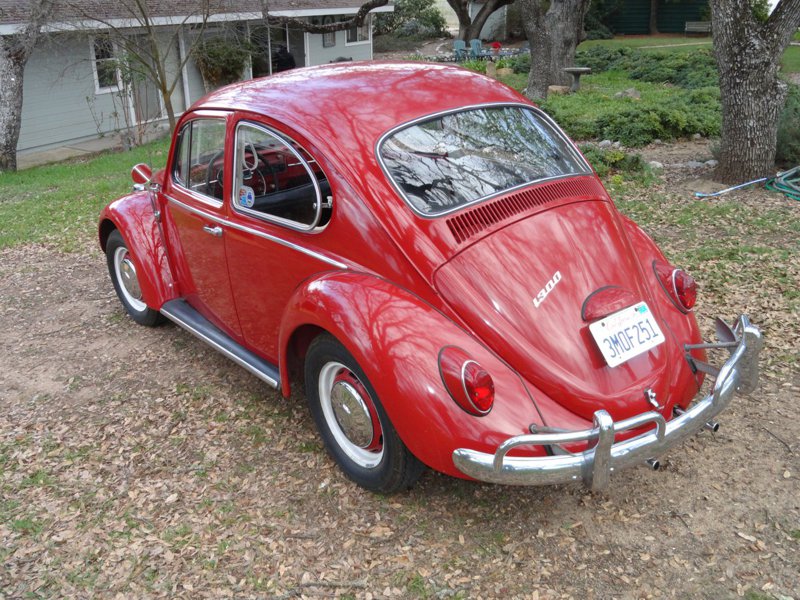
[(199, 157), (277, 179)]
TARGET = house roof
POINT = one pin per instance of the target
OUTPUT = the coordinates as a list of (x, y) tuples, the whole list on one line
[(89, 14)]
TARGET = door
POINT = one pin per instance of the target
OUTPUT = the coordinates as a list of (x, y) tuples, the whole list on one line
[(279, 206), (196, 196)]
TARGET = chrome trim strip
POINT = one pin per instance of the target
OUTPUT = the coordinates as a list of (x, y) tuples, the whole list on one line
[(216, 219), (570, 144), (219, 348), (739, 374)]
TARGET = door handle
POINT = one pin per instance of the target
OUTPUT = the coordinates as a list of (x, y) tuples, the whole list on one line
[(215, 231)]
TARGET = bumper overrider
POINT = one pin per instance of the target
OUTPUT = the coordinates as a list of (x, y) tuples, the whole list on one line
[(739, 374)]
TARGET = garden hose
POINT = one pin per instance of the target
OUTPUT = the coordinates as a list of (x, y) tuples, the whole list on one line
[(787, 183)]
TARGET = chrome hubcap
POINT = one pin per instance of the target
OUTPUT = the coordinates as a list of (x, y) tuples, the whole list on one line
[(351, 413), (125, 271)]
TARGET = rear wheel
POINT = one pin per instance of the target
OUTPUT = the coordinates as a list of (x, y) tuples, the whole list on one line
[(126, 281), (354, 426)]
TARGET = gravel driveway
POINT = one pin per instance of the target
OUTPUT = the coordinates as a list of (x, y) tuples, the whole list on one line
[(137, 462)]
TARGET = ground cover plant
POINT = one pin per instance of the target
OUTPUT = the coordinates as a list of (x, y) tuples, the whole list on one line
[(141, 463)]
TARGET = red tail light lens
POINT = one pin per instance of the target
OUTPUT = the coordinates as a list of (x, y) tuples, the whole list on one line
[(678, 284), (467, 382), (685, 288), (479, 386)]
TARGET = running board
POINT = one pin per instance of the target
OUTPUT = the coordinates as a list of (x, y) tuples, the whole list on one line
[(180, 313)]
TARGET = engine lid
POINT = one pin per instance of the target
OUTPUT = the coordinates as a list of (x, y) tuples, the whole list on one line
[(523, 291)]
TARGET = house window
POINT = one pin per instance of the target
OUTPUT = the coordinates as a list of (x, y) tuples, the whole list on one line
[(104, 63), (359, 35), (329, 39)]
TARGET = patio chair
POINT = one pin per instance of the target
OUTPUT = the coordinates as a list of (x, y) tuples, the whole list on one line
[(460, 50), (475, 50)]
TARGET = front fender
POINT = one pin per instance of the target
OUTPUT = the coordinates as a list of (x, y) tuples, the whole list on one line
[(133, 216), (396, 339)]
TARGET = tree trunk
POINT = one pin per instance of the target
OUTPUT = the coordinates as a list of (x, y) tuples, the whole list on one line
[(748, 55), (554, 29), (470, 28), (653, 17), (15, 49), (11, 73)]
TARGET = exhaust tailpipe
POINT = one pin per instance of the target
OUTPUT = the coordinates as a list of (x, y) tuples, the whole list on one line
[(654, 464)]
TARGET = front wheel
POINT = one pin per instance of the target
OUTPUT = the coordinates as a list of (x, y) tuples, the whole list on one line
[(126, 282), (354, 426)]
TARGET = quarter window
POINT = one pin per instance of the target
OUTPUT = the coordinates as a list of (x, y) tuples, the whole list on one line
[(199, 157), (278, 180)]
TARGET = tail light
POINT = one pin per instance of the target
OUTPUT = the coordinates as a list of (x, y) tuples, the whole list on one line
[(467, 382), (679, 285), (685, 288)]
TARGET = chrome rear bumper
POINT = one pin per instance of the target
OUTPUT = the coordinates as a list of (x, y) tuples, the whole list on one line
[(739, 374)]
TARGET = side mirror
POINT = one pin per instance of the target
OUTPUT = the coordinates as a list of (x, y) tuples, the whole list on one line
[(141, 174)]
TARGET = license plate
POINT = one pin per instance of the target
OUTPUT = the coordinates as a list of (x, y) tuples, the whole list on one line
[(627, 333)]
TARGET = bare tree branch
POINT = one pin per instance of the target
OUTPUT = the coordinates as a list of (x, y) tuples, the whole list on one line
[(357, 20)]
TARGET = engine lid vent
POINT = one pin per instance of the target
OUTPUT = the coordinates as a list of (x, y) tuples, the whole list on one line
[(471, 222)]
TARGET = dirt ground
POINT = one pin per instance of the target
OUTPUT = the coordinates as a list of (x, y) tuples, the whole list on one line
[(137, 462)]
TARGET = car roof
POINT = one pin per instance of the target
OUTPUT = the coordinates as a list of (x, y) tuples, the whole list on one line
[(366, 99)]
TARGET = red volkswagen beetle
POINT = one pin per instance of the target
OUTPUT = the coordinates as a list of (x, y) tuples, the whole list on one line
[(438, 261)]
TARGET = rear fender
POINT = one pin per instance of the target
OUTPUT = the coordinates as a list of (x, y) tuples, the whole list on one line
[(396, 339), (683, 326), (133, 216)]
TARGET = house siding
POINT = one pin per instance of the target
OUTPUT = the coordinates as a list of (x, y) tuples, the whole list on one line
[(317, 55), (61, 104), (59, 99), (634, 16)]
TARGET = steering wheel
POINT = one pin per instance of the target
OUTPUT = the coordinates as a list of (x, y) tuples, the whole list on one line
[(255, 180), (214, 175)]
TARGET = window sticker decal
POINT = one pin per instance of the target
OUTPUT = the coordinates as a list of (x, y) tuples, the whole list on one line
[(247, 197)]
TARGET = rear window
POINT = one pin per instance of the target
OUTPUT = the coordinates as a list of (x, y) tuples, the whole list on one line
[(449, 161)]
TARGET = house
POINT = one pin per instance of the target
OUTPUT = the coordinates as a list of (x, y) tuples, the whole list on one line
[(633, 16), (79, 84)]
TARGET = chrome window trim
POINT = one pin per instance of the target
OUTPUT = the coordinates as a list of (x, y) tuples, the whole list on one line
[(221, 221), (539, 112), (284, 139)]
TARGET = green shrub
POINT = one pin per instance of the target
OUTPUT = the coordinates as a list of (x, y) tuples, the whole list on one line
[(686, 69), (603, 58), (479, 66), (789, 129), (608, 161), (662, 112), (521, 63), (221, 61), (412, 17)]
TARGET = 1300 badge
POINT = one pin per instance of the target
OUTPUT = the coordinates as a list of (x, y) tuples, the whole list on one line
[(547, 289)]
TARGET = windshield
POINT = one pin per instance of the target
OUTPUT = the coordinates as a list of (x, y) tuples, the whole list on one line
[(446, 162)]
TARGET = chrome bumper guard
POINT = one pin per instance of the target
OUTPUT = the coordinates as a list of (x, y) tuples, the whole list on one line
[(739, 374)]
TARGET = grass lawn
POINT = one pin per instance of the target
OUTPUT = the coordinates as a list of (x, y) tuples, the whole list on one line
[(59, 203), (676, 43)]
